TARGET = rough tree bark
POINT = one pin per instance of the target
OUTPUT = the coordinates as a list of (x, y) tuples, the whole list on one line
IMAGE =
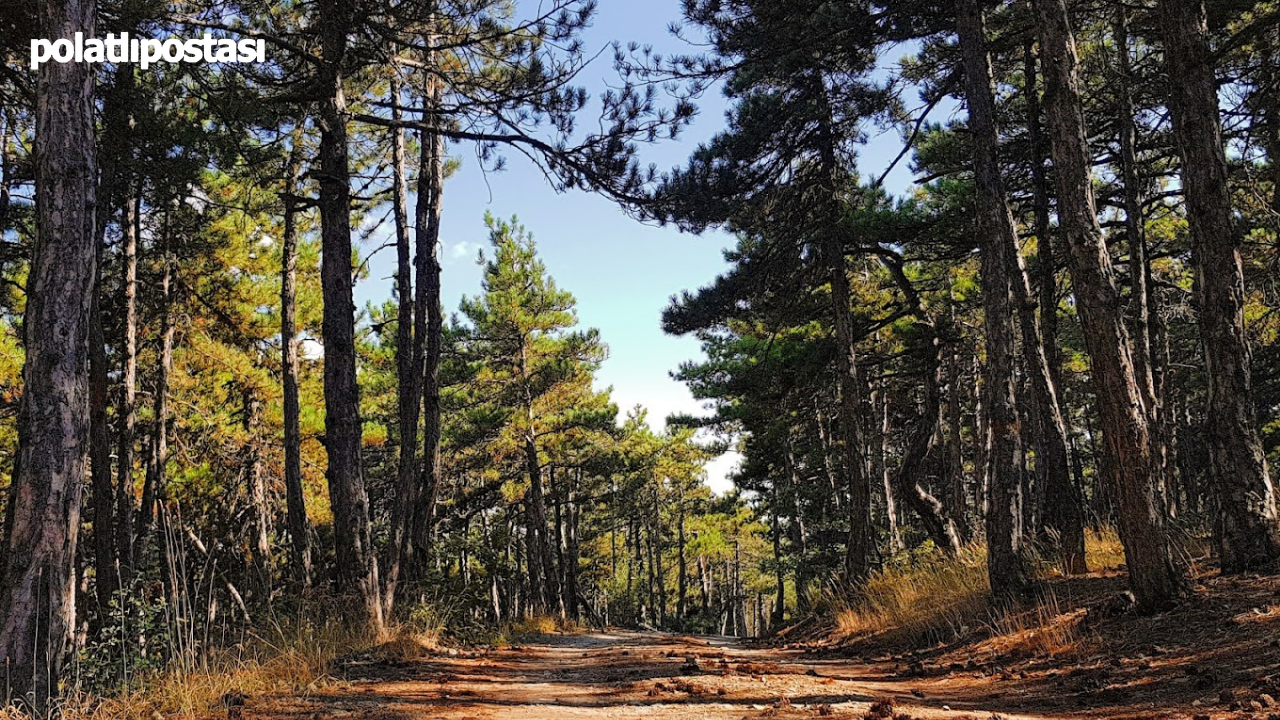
[(940, 525), (1249, 534), (1157, 574), (37, 561), (1046, 263), (1006, 550), (153, 486), (408, 365), (295, 502), (128, 388), (257, 489), (357, 564), (104, 541), (430, 315), (880, 461), (1060, 514), (116, 144), (851, 387)]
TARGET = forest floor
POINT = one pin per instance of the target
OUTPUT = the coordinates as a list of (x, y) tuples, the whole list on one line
[(1217, 656)]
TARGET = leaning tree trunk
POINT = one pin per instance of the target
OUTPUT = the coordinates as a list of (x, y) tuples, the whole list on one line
[(1006, 550), (1157, 573), (357, 565), (938, 522), (37, 560), (1046, 265), (1250, 536), (295, 502)]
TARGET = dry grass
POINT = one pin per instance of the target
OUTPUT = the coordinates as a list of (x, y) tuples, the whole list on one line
[(1044, 630), (537, 625), (295, 660), (1103, 550), (932, 596), (925, 596)]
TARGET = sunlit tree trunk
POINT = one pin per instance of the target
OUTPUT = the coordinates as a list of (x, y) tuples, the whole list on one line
[(429, 318), (154, 485), (128, 387)]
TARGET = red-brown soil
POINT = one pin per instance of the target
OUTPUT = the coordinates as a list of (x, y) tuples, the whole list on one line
[(1216, 656)]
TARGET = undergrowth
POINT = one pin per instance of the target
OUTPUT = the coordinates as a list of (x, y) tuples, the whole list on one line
[(927, 596), (295, 657)]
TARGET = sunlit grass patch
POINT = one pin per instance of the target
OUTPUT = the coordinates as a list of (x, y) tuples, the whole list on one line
[(1043, 630), (927, 595)]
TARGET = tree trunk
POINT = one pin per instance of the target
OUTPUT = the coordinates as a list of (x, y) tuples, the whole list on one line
[(938, 523), (154, 485), (37, 561), (851, 387), (1006, 551), (880, 406), (852, 438), (572, 595), (408, 368), (1157, 574), (1060, 513), (104, 539), (257, 488), (540, 569), (295, 501), (780, 579), (128, 387), (955, 495), (1250, 536), (682, 571), (429, 316), (1046, 265), (116, 122), (357, 565)]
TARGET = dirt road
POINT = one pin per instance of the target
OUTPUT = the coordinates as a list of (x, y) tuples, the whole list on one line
[(622, 675)]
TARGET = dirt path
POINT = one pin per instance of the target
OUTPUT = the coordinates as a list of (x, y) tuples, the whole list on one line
[(621, 675)]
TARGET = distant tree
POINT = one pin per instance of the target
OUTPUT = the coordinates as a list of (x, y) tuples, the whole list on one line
[(539, 370)]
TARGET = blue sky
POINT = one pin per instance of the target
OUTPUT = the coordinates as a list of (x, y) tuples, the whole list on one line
[(622, 272)]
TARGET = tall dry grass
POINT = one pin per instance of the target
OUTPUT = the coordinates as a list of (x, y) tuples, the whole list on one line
[(926, 595), (930, 596), (295, 657)]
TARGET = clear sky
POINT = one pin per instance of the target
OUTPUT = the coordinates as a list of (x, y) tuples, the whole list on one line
[(622, 272)]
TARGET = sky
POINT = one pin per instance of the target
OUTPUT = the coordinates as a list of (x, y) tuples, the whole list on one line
[(622, 272)]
